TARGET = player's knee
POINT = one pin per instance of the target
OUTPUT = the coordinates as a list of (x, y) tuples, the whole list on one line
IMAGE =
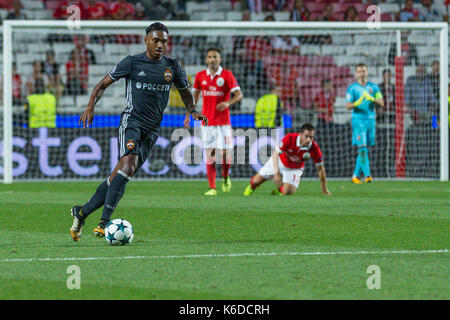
[(288, 190), (130, 165)]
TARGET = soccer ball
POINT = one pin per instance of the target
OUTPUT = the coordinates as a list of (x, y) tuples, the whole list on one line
[(119, 232)]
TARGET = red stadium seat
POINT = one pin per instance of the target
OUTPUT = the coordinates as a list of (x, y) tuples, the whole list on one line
[(339, 16), (386, 17), (52, 5), (310, 81), (316, 16), (363, 16), (306, 100), (299, 60), (321, 60), (361, 7), (340, 90), (343, 6), (351, 1), (314, 7), (340, 7), (271, 60)]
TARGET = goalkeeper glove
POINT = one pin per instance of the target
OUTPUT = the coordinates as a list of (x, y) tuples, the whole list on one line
[(368, 96), (358, 102)]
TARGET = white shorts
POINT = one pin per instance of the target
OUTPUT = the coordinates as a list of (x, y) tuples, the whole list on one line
[(290, 176), (217, 137)]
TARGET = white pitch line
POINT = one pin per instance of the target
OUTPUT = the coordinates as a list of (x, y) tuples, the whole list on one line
[(244, 254)]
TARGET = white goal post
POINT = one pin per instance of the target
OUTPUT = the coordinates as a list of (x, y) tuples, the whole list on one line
[(220, 28)]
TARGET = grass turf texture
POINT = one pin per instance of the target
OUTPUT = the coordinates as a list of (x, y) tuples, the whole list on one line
[(177, 229)]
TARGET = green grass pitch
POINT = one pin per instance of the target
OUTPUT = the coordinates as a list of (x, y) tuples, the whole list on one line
[(188, 246)]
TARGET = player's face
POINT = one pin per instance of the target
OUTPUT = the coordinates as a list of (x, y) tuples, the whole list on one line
[(156, 42), (213, 60), (361, 73), (306, 137)]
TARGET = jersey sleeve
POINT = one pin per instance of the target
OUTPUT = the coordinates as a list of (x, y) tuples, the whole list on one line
[(122, 70), (284, 144), (349, 96), (197, 82), (377, 92), (181, 80), (316, 155), (232, 82)]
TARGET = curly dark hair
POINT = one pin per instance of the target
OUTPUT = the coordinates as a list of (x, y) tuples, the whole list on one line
[(157, 26)]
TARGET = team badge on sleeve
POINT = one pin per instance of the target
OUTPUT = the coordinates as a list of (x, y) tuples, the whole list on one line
[(130, 144), (168, 75)]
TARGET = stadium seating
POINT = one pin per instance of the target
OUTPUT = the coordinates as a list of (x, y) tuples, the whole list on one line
[(325, 60)]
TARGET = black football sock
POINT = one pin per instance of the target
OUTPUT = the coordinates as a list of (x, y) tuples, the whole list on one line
[(97, 199), (115, 192)]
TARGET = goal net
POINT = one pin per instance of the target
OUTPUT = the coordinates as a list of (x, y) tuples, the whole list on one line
[(51, 70)]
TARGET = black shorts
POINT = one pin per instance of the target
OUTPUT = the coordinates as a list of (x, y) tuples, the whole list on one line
[(133, 138)]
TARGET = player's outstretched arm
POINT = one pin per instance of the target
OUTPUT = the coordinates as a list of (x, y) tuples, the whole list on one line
[(323, 179), (277, 179), (88, 116), (187, 119), (189, 102)]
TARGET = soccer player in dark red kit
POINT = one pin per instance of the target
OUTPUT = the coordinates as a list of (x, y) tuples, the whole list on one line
[(220, 90), (287, 163)]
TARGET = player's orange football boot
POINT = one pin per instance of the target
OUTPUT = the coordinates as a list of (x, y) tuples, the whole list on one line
[(368, 179), (356, 180), (77, 224), (99, 231)]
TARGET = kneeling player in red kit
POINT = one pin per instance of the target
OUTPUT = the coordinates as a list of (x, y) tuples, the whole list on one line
[(287, 163)]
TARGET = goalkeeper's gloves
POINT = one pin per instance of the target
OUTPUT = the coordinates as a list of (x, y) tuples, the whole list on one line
[(368, 96), (358, 102)]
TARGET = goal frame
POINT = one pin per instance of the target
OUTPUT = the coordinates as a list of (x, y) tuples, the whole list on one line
[(10, 25)]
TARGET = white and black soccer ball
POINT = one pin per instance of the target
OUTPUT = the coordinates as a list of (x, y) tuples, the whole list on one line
[(119, 232)]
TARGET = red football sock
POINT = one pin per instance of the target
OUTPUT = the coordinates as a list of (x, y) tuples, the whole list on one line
[(225, 170), (211, 173), (280, 189), (251, 183)]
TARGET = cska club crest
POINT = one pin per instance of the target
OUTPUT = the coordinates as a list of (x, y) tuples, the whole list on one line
[(130, 144), (168, 75)]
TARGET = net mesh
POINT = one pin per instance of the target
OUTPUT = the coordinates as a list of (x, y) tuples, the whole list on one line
[(311, 69)]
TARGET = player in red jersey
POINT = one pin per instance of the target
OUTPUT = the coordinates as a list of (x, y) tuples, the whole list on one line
[(220, 90), (287, 163)]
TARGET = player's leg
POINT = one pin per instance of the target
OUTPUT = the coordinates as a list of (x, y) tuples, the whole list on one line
[(80, 213), (359, 140), (370, 128), (264, 174), (288, 189), (211, 171), (291, 180), (130, 145), (209, 137), (225, 146), (255, 182), (122, 173)]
